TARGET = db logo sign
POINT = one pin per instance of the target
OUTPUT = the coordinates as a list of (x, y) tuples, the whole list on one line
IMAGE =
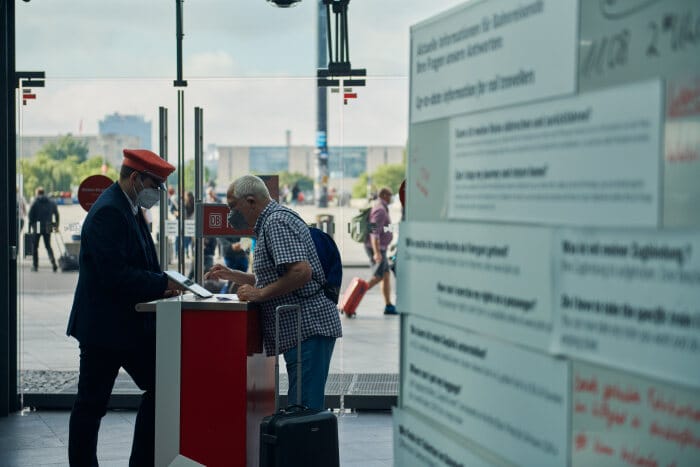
[(216, 220)]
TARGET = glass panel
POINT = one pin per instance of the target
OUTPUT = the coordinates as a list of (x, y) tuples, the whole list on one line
[(116, 67)]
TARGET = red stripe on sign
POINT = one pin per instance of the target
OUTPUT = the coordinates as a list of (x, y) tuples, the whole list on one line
[(28, 96), (350, 95)]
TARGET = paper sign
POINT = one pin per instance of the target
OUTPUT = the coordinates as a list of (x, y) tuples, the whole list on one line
[(491, 54), (630, 300), (509, 400), (589, 160), (629, 40), (419, 442), (492, 279), (619, 420)]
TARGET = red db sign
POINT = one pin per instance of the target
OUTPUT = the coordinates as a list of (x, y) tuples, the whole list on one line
[(91, 188)]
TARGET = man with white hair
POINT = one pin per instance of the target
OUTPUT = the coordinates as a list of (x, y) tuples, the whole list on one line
[(286, 271)]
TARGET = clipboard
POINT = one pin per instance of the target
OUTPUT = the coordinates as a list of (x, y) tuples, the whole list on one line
[(189, 284)]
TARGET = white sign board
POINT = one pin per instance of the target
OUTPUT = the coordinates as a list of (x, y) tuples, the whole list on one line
[(490, 54), (419, 443), (630, 300), (619, 419), (588, 160), (629, 40), (509, 400), (492, 279)]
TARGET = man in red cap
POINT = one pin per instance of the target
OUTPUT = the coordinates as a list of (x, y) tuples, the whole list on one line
[(118, 269)]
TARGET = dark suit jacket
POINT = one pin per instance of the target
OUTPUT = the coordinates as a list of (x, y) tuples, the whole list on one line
[(118, 269)]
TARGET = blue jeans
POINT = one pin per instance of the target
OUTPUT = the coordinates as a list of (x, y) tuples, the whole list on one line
[(316, 352)]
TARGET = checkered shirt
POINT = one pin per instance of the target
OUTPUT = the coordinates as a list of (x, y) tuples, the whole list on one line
[(283, 238)]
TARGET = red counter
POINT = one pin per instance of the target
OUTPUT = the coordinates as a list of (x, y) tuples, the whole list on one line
[(213, 382)]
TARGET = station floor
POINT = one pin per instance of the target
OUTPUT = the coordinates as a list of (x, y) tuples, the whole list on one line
[(40, 439)]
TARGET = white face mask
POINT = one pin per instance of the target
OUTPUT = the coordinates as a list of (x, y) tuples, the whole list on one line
[(147, 197)]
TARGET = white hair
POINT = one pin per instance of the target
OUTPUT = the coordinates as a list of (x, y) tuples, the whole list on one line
[(249, 185)]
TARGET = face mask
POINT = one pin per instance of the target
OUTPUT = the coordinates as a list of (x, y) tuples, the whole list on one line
[(236, 220), (147, 197)]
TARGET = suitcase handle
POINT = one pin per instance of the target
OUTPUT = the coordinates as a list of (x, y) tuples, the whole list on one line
[(278, 310)]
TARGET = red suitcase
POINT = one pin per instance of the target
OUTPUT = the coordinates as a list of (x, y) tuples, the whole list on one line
[(352, 296)]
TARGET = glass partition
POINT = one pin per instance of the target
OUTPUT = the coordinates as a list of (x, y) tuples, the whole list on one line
[(263, 126)]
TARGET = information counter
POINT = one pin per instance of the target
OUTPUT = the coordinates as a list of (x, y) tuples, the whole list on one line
[(213, 381)]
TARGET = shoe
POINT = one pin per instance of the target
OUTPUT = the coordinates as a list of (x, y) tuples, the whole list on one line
[(34, 269), (55, 268), (390, 310)]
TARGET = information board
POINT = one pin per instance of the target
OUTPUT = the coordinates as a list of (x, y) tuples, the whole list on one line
[(492, 279), (620, 419), (489, 54), (630, 300), (592, 159), (509, 400)]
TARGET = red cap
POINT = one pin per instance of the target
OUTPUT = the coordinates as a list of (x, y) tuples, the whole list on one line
[(148, 162)]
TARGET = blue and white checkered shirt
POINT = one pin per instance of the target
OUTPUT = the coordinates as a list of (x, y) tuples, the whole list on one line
[(283, 238)]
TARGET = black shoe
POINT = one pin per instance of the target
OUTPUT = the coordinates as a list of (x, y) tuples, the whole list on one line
[(390, 310), (55, 268)]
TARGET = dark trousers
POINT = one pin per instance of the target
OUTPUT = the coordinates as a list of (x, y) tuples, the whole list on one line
[(47, 243), (98, 371)]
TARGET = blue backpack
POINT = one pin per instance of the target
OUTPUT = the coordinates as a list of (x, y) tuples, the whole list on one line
[(329, 256)]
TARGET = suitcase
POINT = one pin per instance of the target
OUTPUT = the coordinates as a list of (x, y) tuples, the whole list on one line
[(352, 296), (297, 436), (29, 239), (66, 262)]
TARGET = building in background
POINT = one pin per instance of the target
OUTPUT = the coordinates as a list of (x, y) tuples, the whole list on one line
[(345, 164), (132, 125)]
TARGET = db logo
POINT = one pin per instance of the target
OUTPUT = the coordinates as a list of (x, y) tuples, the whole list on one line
[(216, 220)]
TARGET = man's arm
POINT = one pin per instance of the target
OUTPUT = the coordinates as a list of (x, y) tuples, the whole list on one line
[(296, 276)]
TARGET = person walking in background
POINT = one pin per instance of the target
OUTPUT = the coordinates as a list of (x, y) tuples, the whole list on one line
[(286, 271), (376, 246), (118, 269), (43, 219), (235, 256), (295, 194), (189, 214), (21, 208)]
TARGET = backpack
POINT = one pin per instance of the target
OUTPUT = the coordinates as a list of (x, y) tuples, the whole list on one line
[(329, 256), (359, 227)]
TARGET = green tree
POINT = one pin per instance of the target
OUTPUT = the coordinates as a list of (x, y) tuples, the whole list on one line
[(390, 175), (43, 171), (359, 189), (189, 175), (305, 183), (93, 166), (64, 148)]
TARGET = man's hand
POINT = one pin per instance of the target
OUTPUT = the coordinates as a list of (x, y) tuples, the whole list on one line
[(219, 271), (249, 293), (377, 256), (172, 289)]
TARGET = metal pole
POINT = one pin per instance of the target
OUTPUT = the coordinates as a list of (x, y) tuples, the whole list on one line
[(181, 180), (163, 150), (9, 400), (198, 192), (321, 110)]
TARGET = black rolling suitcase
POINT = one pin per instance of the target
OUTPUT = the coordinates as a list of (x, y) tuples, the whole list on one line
[(66, 262), (297, 436)]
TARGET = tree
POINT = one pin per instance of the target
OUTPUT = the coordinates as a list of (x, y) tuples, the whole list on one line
[(189, 175), (305, 183), (390, 175), (66, 147)]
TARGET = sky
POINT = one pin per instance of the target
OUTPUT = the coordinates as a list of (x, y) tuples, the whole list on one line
[(250, 66)]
